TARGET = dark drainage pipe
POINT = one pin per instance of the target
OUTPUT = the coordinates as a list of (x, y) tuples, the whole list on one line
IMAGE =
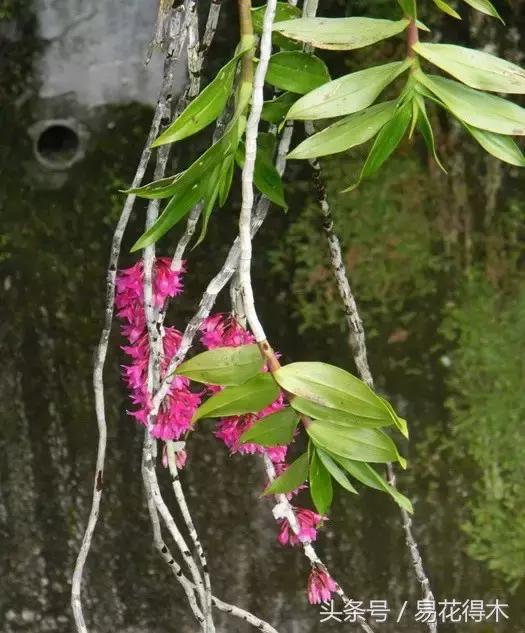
[(58, 143)]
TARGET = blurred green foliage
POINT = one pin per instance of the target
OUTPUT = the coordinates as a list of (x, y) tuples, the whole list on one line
[(487, 328)]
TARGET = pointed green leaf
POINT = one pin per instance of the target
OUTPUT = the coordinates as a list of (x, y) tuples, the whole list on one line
[(275, 111), (386, 142), (226, 179), (250, 397), (223, 365), (346, 133), (347, 94), (446, 8), (283, 11), (408, 7), (502, 147), (364, 445), (485, 6), (295, 475), (376, 418), (368, 475), (475, 108), (401, 423), (173, 185), (477, 69), (158, 189), (331, 387), (335, 471), (296, 71), (179, 206), (276, 429), (426, 130), (320, 485), (204, 109), (340, 33), (213, 185)]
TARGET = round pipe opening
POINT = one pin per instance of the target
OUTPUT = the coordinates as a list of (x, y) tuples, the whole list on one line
[(57, 144)]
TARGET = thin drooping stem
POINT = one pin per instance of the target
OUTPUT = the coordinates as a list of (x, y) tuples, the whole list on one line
[(155, 334), (359, 352), (187, 585), (186, 515), (164, 512), (98, 374)]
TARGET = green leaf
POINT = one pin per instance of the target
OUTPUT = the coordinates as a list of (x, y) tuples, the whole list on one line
[(283, 11), (422, 27), (226, 179), (335, 471), (198, 182), (330, 387), (475, 108), (426, 130), (274, 111), (158, 189), (446, 8), (347, 94), (223, 365), (364, 445), (475, 68), (340, 33), (172, 185), (212, 193), (204, 109), (250, 397), (296, 71), (276, 429), (320, 485), (368, 475), (346, 133), (265, 177), (381, 416), (401, 423), (408, 7), (385, 143), (485, 6), (500, 146), (295, 475), (175, 210)]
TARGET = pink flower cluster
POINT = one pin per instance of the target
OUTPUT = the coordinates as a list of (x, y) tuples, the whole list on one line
[(320, 586), (309, 521), (174, 418)]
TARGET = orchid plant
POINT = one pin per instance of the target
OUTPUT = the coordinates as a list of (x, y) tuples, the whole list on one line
[(263, 407)]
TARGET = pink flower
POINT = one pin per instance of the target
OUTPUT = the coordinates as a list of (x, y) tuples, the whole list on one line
[(320, 586), (180, 458), (130, 285), (309, 521), (229, 430), (223, 330), (174, 418)]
